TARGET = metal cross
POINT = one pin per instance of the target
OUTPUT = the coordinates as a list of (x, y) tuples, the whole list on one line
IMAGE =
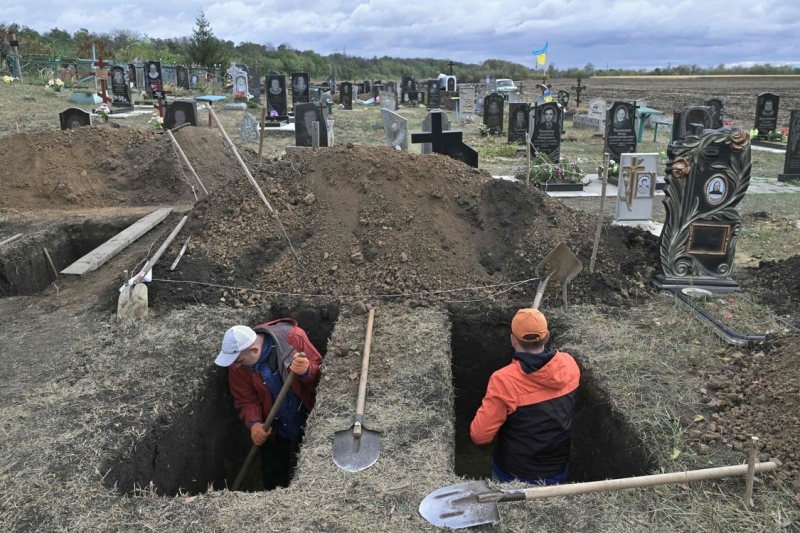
[(450, 64), (578, 90), (544, 86)]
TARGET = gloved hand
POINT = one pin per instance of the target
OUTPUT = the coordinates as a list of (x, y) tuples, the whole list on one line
[(299, 364), (258, 434)]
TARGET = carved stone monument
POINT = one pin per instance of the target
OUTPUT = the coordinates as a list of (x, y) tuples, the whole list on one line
[(518, 122), (396, 129), (620, 130), (493, 113), (546, 137), (717, 108), (791, 164), (636, 188), (346, 94), (767, 113), (707, 176)]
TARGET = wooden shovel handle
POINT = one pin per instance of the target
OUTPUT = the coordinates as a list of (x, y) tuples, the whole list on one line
[(267, 423), (362, 384), (627, 483)]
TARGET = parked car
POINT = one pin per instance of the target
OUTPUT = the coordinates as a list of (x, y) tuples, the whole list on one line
[(505, 86)]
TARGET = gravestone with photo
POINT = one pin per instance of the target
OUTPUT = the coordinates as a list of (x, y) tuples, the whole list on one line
[(409, 84), (597, 108), (152, 78), (248, 129), (427, 126), (390, 87), (74, 118), (717, 108), (346, 94), (120, 89), (493, 107), (396, 129), (433, 94), (636, 189), (518, 121), (546, 136), (620, 131), (697, 114), (132, 75), (447, 143), (791, 163), (183, 77), (331, 83), (563, 99), (707, 176), (767, 113), (305, 114), (180, 112), (300, 89), (240, 84), (170, 76), (276, 96), (388, 101)]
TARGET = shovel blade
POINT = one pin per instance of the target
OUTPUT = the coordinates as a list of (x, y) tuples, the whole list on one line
[(457, 506), (132, 302), (355, 454), (561, 263)]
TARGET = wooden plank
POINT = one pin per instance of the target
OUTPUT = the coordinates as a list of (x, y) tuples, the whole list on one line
[(94, 259)]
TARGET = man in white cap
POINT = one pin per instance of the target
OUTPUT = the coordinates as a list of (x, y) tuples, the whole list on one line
[(259, 360)]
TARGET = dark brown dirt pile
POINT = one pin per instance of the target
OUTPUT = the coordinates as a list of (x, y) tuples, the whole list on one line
[(369, 221)]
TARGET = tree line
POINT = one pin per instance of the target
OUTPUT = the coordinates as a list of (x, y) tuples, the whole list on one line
[(204, 49)]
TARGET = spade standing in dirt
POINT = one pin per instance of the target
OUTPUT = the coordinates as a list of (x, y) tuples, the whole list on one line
[(528, 405), (259, 360)]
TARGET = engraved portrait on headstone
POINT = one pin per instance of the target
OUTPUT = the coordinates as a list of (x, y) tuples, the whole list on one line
[(767, 113), (153, 77), (546, 137), (493, 113), (716, 107), (433, 94), (276, 95), (518, 121), (300, 92), (346, 94), (120, 89), (620, 130)]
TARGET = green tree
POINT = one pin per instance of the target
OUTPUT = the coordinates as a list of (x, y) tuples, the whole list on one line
[(205, 49)]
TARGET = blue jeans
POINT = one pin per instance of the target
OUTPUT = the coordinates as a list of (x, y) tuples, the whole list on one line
[(501, 476)]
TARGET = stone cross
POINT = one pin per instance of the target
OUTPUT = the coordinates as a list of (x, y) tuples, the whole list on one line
[(630, 179), (450, 64), (101, 75), (578, 90)]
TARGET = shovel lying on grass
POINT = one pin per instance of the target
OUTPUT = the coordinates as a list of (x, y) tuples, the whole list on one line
[(561, 265), (357, 447), (475, 502)]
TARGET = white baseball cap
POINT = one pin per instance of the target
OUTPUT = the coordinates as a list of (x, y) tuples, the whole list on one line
[(236, 339)]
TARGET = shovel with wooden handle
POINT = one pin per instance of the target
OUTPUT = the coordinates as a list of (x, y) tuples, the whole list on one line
[(475, 503), (560, 265), (357, 447), (267, 424)]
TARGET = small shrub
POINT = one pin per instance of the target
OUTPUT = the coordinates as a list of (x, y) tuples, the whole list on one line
[(543, 171)]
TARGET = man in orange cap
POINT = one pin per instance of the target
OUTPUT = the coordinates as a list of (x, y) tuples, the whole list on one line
[(528, 406)]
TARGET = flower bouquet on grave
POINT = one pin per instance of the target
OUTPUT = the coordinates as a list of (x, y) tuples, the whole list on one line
[(56, 85), (544, 171), (157, 121), (240, 97), (613, 169), (103, 111)]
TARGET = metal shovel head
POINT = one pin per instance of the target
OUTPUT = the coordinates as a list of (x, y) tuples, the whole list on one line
[(132, 302), (356, 453), (561, 263), (457, 506)]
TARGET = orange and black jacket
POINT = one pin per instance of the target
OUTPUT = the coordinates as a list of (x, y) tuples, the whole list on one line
[(528, 406)]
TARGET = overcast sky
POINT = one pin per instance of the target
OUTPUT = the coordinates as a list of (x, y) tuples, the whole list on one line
[(607, 33)]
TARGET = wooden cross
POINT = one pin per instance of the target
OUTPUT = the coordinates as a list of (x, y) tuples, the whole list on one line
[(630, 180), (544, 86), (101, 75), (578, 90), (450, 64)]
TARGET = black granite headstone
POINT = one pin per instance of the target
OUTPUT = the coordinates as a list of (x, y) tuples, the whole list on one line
[(706, 178), (74, 118), (433, 94), (447, 143), (767, 113), (183, 77), (716, 107), (390, 87), (620, 130), (493, 113), (563, 98), (518, 121), (305, 114), (409, 84), (791, 164), (152, 77), (180, 112), (546, 137), (346, 94), (676, 126), (451, 84), (697, 114), (255, 85), (120, 90), (300, 90), (132, 74), (276, 95)]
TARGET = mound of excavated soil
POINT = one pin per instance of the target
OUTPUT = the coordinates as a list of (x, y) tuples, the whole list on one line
[(370, 221)]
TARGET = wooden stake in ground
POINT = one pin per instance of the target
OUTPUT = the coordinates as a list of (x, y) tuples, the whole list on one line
[(151, 263), (261, 134), (528, 153), (180, 254), (604, 179), (50, 262), (752, 445), (186, 160), (11, 239)]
